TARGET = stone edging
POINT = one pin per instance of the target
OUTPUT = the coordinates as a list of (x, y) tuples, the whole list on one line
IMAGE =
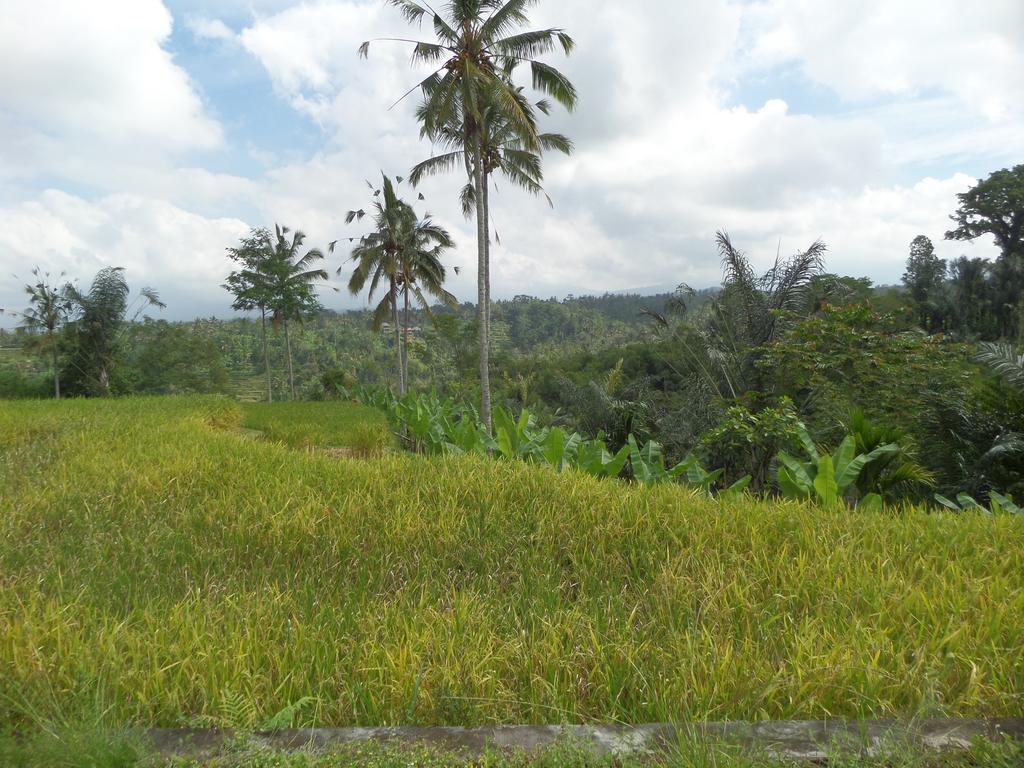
[(794, 740)]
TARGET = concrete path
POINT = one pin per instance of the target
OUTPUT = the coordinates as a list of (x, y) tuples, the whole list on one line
[(793, 740)]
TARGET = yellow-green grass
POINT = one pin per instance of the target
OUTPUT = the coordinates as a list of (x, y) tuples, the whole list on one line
[(165, 570), (320, 425)]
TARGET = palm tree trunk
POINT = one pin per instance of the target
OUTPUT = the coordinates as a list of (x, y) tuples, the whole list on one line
[(288, 347), (481, 284), (487, 257), (398, 337), (266, 355), (56, 373), (405, 338)]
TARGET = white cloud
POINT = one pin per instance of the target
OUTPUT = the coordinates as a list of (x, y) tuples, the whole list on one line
[(863, 48), (310, 52), (209, 29), (75, 76), (664, 155), (176, 252)]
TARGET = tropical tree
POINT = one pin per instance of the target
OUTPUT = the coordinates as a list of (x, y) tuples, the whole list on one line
[(49, 306), (504, 151), (250, 285), (723, 344), (402, 252), (99, 319), (476, 50), (291, 285), (422, 275), (995, 207), (925, 280), (971, 285)]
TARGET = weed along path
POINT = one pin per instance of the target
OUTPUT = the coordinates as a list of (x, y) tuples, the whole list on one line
[(160, 572)]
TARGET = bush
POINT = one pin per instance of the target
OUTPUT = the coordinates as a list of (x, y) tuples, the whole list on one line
[(17, 386)]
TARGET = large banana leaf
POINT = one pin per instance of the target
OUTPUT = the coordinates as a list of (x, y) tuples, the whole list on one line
[(848, 475), (825, 485), (794, 477)]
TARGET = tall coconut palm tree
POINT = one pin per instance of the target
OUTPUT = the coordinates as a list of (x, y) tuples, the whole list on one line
[(477, 48), (403, 252), (49, 308), (292, 282), (504, 152)]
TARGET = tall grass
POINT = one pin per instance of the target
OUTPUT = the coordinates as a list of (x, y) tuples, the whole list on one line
[(180, 569)]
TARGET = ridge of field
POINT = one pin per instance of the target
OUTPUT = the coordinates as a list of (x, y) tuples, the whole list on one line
[(159, 567)]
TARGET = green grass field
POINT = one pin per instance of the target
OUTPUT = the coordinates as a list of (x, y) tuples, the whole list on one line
[(160, 568), (320, 425)]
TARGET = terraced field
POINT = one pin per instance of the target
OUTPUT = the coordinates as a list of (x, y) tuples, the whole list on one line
[(160, 568)]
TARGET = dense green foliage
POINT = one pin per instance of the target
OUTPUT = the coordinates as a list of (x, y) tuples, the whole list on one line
[(723, 378), (158, 563), (443, 355)]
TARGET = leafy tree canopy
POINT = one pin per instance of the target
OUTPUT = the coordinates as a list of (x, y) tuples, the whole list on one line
[(994, 207)]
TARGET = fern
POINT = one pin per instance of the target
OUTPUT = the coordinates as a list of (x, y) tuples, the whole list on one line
[(235, 710), (288, 716)]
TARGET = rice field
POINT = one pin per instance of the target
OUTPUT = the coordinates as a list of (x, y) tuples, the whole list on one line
[(161, 568), (320, 425)]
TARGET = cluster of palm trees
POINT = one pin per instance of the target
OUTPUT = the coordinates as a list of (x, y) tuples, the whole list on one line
[(473, 110), (83, 327), (276, 278)]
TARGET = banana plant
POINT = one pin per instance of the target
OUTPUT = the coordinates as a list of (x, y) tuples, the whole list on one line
[(998, 504), (736, 490), (826, 478), (594, 458), (648, 463), (432, 425), (466, 435), (422, 417), (560, 449), (517, 438)]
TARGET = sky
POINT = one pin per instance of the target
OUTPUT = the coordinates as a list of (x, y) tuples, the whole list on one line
[(152, 135)]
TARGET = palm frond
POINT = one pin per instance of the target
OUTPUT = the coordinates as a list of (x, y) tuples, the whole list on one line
[(552, 82), (435, 165), (505, 17), (152, 298), (411, 11), (1004, 361)]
